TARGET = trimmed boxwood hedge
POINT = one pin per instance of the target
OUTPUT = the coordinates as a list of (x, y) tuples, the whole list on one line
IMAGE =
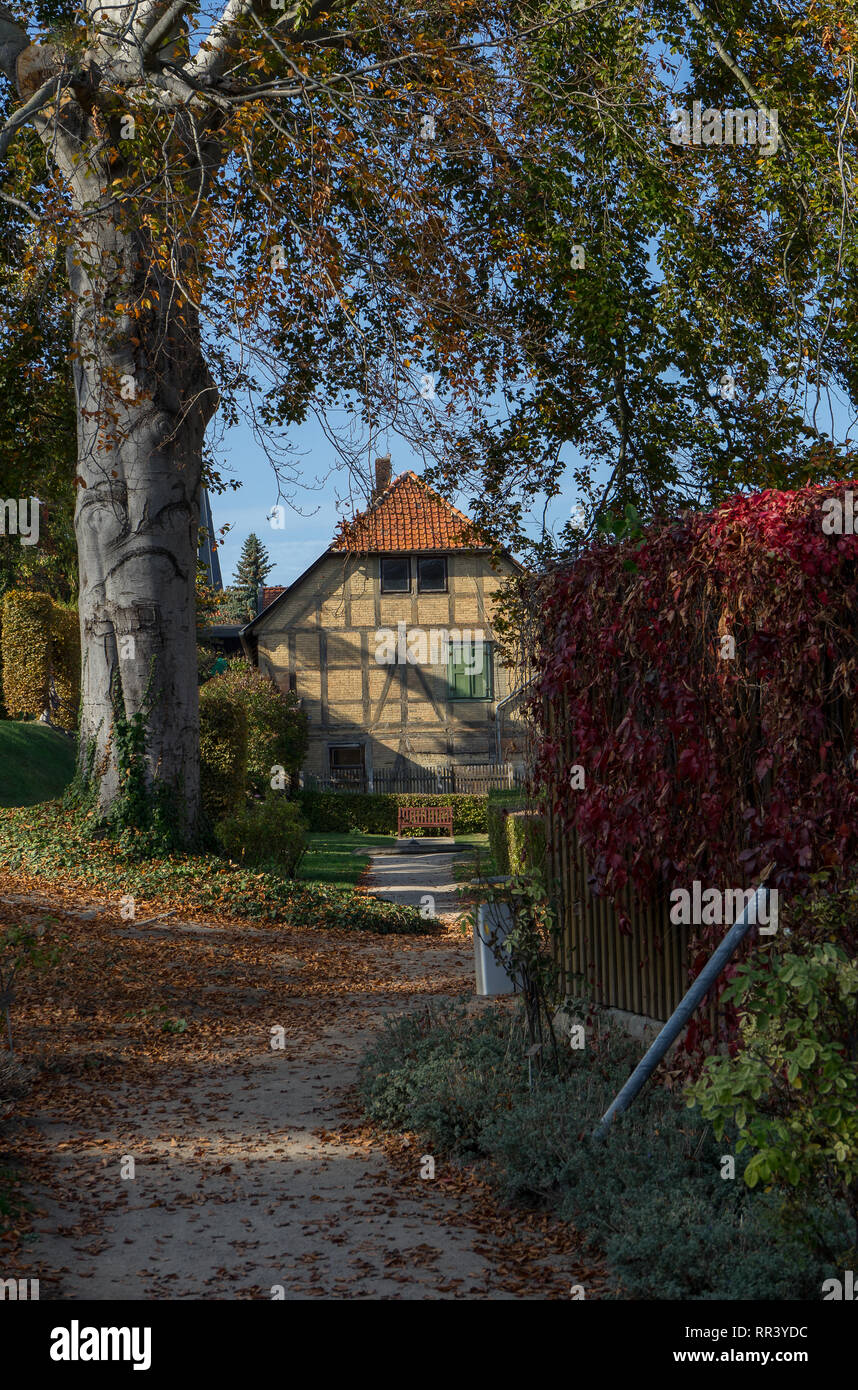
[(526, 840), (374, 813), (499, 804), (41, 650)]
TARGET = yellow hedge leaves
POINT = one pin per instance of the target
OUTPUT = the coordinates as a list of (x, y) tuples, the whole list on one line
[(41, 658)]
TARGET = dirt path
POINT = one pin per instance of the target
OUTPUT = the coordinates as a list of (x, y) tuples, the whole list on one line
[(416, 880), (252, 1171)]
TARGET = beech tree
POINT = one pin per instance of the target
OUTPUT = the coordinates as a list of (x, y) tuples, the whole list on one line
[(234, 194)]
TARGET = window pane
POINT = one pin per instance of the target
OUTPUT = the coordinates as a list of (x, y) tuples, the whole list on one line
[(481, 664), (347, 757), (396, 575), (432, 574), (471, 671)]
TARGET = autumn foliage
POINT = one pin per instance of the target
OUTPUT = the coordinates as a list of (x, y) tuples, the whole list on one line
[(704, 678)]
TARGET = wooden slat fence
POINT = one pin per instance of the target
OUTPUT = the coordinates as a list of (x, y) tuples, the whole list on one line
[(474, 779), (643, 970)]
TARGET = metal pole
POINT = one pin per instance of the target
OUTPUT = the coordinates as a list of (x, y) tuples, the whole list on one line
[(682, 1013)]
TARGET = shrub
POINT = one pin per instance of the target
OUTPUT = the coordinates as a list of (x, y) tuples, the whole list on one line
[(792, 1089), (223, 752), (652, 1194), (41, 658), (26, 653), (526, 841), (497, 808), (276, 724), (374, 813), (270, 831)]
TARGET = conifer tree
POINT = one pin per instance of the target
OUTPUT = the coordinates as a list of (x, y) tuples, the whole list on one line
[(251, 572)]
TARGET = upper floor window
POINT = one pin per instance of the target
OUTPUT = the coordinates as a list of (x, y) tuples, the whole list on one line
[(395, 574), (431, 574)]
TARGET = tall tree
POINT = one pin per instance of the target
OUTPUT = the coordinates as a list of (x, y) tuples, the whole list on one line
[(251, 572), (235, 192), (686, 311)]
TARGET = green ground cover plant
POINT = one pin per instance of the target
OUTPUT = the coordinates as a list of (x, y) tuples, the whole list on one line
[(652, 1195), (54, 842)]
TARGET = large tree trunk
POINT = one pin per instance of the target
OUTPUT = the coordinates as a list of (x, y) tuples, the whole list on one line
[(144, 397)]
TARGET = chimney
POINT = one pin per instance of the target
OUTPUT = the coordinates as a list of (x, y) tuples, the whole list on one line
[(383, 471)]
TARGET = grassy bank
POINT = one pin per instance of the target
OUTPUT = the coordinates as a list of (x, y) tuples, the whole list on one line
[(36, 763)]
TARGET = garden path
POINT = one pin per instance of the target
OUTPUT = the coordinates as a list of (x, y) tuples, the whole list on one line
[(410, 879), (253, 1172)]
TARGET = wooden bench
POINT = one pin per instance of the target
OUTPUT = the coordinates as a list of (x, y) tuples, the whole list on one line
[(425, 818)]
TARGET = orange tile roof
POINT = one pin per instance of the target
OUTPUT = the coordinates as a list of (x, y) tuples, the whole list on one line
[(269, 593), (408, 516)]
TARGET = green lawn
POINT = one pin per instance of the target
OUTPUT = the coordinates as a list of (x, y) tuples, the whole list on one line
[(36, 763), (476, 862), (331, 856)]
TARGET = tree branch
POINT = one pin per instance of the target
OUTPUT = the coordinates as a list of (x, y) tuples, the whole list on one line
[(20, 117), (214, 52), (730, 62), (13, 40)]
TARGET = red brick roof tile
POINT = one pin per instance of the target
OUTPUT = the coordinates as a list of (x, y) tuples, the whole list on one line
[(408, 516), (269, 593)]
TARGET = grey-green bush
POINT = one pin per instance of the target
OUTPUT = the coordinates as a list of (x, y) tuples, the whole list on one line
[(651, 1195)]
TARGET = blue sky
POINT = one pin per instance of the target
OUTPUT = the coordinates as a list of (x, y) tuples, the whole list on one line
[(310, 529)]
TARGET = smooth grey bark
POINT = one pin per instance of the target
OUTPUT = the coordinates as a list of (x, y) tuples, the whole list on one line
[(144, 397), (142, 413)]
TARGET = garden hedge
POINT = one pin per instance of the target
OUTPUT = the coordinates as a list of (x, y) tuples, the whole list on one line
[(500, 803), (374, 813), (526, 833), (41, 658), (223, 752), (276, 724)]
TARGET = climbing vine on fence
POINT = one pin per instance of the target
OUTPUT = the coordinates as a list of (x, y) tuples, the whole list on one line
[(707, 695)]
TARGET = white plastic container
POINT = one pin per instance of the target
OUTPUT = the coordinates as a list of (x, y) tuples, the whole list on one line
[(493, 920)]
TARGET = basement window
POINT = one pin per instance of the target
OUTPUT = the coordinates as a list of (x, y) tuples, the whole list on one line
[(396, 574)]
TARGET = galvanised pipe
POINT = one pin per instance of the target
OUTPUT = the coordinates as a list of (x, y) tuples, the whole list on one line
[(683, 1011)]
